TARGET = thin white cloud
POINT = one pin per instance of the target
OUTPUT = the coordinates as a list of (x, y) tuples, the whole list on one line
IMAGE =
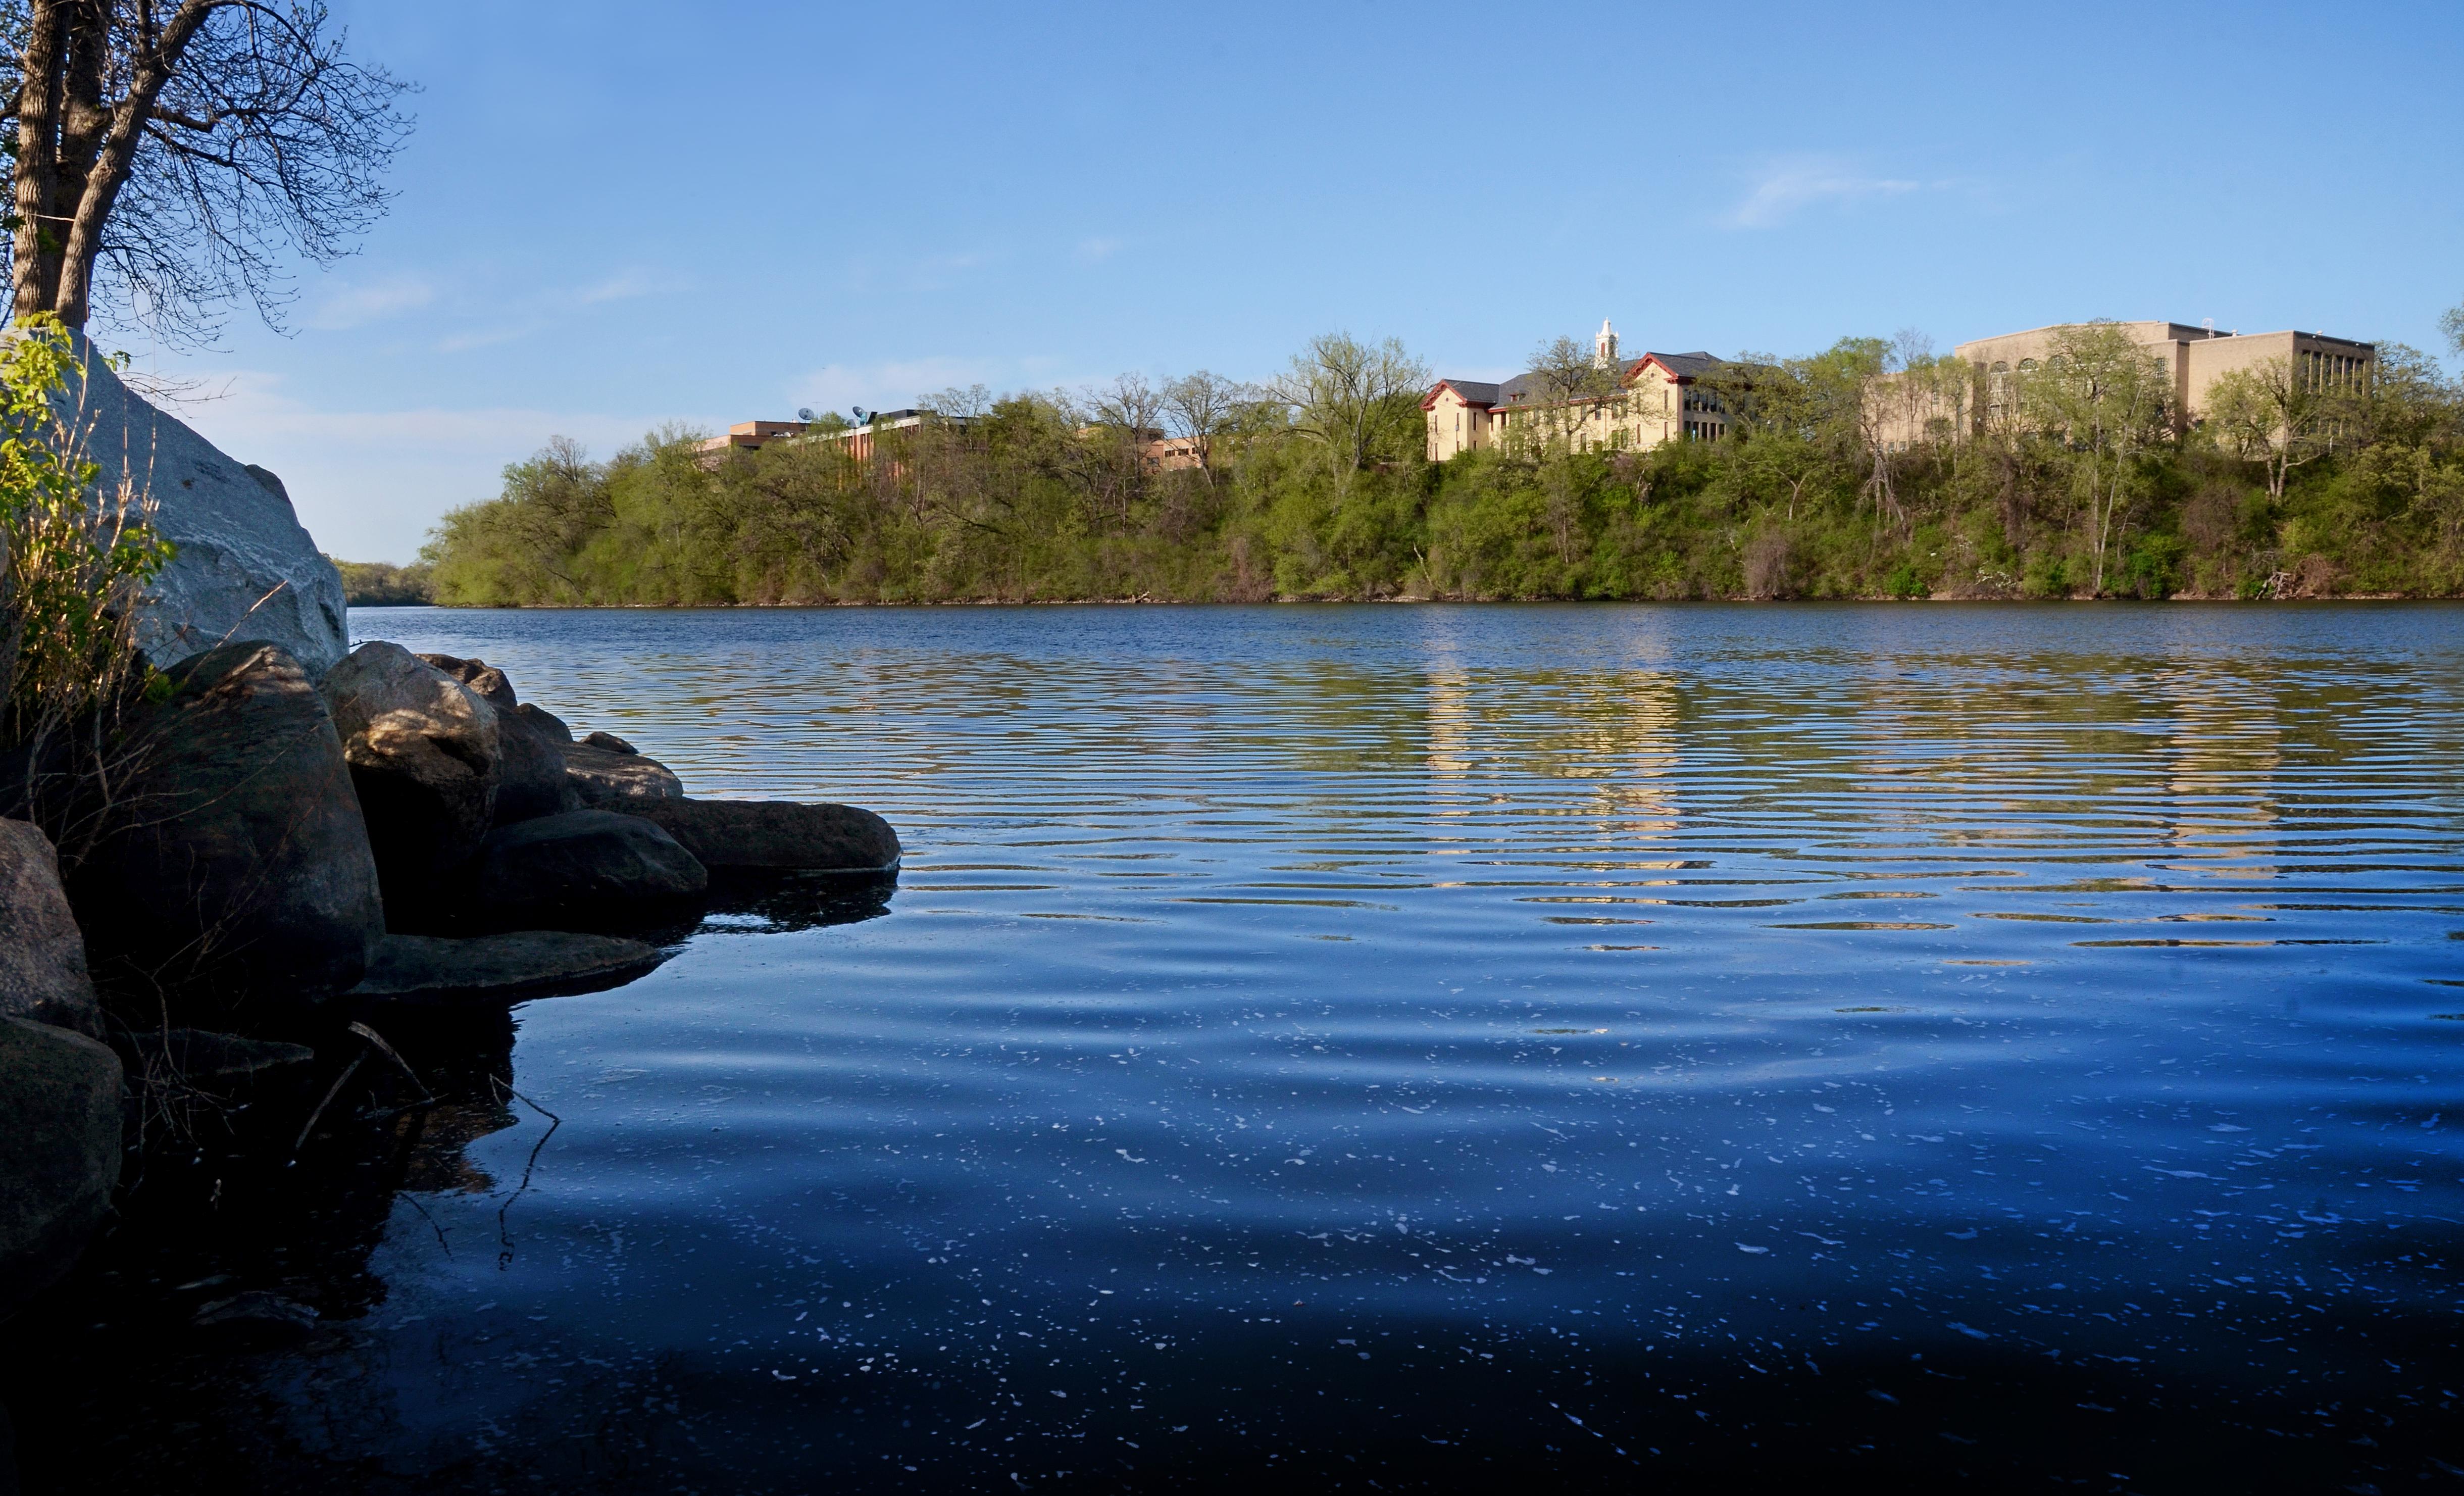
[(627, 285), (488, 337), (369, 483), (1785, 188), (895, 385), (476, 322), (1096, 251), (345, 307)]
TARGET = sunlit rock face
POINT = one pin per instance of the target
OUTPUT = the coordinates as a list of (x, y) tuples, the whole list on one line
[(425, 758), (245, 567)]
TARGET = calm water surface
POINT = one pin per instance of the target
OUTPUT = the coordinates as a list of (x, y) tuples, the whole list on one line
[(1426, 1046)]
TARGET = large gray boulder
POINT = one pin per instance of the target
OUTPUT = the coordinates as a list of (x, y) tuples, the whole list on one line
[(42, 954), (60, 1152), (426, 757), (245, 569), (777, 835), (531, 780), (589, 866), (231, 885)]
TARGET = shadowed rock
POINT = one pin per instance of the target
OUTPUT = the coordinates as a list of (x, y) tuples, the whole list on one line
[(549, 725), (600, 778), (59, 1150), (426, 757), (231, 883), (522, 964), (42, 955), (531, 777), (777, 835), (583, 866)]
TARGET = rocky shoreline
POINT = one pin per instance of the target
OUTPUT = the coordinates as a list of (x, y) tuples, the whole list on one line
[(302, 844)]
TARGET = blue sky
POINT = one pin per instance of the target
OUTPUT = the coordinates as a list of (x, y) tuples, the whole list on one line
[(616, 215)]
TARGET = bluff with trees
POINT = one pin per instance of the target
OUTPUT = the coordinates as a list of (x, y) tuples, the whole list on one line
[(1872, 469)]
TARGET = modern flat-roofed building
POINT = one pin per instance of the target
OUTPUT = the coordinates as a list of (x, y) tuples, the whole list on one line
[(1164, 452), (2194, 359), (753, 435), (1658, 400)]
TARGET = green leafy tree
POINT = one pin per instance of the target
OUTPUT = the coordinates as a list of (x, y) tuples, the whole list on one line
[(2105, 398), (1355, 401)]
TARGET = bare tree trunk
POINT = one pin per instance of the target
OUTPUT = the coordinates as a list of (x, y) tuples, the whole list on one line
[(109, 172), (181, 151), (36, 252)]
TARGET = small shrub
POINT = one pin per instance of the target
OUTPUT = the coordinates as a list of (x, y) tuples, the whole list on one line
[(73, 566)]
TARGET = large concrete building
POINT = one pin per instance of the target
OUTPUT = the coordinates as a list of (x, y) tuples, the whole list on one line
[(2193, 358), (1659, 399)]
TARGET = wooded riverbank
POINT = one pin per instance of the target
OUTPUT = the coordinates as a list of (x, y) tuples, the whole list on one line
[(1307, 491)]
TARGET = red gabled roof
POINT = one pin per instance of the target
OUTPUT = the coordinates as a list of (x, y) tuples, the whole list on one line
[(1652, 360)]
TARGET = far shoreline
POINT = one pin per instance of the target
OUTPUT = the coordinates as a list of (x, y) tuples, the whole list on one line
[(1363, 602)]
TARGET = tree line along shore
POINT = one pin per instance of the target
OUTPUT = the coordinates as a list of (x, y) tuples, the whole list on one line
[(1317, 487)]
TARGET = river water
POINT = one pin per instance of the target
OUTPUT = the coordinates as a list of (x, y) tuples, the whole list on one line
[(1415, 1047)]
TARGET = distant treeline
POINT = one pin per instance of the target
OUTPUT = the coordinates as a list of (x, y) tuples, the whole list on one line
[(1857, 472), (379, 584)]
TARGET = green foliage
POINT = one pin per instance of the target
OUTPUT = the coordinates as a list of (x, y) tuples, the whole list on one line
[(381, 585), (1856, 472), (73, 561)]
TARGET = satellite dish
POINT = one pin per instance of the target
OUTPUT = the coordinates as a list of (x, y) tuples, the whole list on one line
[(858, 412), (805, 413)]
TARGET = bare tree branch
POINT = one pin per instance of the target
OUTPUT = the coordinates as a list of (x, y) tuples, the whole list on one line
[(168, 168)]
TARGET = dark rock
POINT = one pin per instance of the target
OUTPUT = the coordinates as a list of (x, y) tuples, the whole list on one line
[(590, 866), (60, 1152), (776, 834), (534, 776), (524, 963), (547, 722), (202, 1059), (611, 743), (531, 776), (597, 778), (426, 757), (231, 885), (42, 955)]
